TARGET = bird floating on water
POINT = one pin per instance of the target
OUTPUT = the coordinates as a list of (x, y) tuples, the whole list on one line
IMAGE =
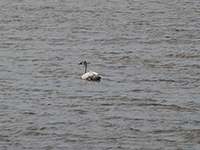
[(90, 76)]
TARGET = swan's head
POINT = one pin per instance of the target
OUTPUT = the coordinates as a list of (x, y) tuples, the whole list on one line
[(83, 63)]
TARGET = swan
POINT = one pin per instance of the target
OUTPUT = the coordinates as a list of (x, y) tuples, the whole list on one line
[(91, 76)]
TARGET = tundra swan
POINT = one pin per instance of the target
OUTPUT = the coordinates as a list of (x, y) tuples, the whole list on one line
[(91, 76)]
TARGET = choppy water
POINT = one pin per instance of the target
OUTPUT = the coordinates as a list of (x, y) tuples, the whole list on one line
[(147, 52)]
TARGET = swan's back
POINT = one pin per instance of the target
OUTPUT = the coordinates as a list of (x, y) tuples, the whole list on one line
[(91, 76)]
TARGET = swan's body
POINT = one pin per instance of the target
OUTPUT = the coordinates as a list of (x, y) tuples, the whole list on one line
[(91, 76)]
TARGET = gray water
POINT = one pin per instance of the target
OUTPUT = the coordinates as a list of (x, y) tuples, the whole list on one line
[(147, 52)]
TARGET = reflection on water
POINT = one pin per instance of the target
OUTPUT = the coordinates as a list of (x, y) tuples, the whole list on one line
[(146, 52)]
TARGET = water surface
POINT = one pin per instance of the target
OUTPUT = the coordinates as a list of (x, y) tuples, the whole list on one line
[(148, 55)]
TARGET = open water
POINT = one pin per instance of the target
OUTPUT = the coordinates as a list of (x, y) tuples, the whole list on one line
[(147, 52)]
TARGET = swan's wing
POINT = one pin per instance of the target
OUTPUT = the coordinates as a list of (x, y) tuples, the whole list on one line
[(91, 76)]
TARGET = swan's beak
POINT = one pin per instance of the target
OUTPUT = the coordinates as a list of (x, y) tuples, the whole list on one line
[(80, 63)]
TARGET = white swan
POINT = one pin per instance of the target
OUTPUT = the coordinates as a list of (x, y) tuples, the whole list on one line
[(91, 76)]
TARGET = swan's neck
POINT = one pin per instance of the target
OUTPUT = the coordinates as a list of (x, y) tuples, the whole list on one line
[(85, 68)]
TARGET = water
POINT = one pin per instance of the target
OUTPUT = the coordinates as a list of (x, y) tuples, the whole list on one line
[(148, 55)]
